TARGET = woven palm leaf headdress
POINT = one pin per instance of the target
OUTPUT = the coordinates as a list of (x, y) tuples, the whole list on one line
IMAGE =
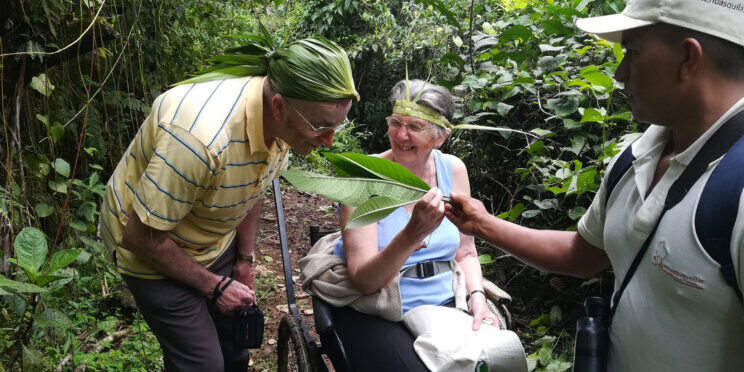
[(311, 69)]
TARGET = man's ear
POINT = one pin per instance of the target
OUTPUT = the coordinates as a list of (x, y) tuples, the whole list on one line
[(692, 63), (278, 107)]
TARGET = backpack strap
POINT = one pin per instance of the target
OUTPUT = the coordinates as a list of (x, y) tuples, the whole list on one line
[(718, 207), (621, 166), (717, 145)]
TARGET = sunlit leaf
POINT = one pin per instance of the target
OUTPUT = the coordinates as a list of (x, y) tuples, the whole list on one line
[(596, 77), (62, 167), (592, 114), (44, 119), (42, 85), (31, 250), (61, 259), (485, 259)]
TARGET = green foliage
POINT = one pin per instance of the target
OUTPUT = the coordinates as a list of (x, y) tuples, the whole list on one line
[(518, 66), (545, 358)]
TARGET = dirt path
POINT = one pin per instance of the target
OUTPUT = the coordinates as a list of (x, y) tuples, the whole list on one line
[(301, 210)]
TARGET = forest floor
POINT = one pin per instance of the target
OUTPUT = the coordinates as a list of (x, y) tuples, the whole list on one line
[(300, 211), (543, 304)]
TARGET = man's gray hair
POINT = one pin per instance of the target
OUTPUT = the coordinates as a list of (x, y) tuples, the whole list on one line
[(435, 97)]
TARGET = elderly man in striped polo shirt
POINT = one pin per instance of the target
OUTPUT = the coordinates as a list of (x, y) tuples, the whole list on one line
[(181, 209)]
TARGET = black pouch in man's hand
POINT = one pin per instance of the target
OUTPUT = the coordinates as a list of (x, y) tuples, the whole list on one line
[(248, 327)]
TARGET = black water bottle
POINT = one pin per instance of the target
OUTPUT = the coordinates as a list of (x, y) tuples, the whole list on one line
[(592, 337)]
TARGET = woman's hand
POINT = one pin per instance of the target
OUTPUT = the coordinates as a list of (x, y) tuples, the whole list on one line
[(481, 313), (427, 214)]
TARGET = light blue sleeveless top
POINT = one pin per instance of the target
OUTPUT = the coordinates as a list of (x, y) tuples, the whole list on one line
[(441, 245)]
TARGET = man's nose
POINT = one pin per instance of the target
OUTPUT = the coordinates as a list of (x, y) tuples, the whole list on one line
[(327, 138), (621, 74)]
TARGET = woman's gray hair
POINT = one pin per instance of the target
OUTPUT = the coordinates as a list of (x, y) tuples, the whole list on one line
[(435, 97)]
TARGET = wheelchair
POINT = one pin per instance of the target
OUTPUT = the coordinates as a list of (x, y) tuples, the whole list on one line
[(297, 350)]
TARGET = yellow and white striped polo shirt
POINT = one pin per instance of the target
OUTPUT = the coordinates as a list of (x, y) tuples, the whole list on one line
[(197, 165)]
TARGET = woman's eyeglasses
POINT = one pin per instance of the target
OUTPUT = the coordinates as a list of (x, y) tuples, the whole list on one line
[(321, 129), (394, 124)]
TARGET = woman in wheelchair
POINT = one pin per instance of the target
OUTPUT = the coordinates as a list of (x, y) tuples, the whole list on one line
[(415, 241)]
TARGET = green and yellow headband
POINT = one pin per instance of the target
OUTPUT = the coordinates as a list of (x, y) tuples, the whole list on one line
[(410, 108)]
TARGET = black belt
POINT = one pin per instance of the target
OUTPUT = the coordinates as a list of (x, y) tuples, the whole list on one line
[(426, 269)]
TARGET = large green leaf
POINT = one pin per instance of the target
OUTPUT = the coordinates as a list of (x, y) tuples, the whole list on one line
[(14, 286), (61, 259), (372, 210), (346, 168), (351, 164), (352, 191), (31, 250)]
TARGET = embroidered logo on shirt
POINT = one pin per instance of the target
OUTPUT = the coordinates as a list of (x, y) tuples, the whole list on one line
[(686, 279)]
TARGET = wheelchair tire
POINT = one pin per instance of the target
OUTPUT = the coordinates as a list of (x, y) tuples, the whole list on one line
[(292, 352)]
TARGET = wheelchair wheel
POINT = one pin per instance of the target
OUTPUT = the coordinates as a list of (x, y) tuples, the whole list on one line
[(292, 353)]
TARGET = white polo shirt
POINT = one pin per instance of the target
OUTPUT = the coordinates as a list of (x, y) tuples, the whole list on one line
[(677, 313)]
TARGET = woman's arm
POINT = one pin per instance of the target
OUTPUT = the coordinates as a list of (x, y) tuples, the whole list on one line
[(370, 269), (467, 256)]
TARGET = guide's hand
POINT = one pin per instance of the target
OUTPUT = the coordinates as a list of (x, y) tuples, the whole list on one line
[(467, 215)]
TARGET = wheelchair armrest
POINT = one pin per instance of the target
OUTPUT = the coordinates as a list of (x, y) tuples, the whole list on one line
[(322, 315), (494, 293), (329, 338)]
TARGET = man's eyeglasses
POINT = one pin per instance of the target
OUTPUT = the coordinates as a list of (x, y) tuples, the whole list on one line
[(394, 124), (319, 129)]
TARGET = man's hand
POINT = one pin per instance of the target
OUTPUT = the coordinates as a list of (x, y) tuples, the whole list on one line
[(234, 296), (244, 272), (468, 216)]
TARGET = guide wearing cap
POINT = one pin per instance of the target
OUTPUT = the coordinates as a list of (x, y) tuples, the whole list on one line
[(683, 73)]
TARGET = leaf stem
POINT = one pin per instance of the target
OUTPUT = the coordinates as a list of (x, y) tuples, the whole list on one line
[(447, 199)]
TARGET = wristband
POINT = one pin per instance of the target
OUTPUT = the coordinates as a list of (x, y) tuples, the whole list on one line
[(218, 291), (244, 257), (467, 298)]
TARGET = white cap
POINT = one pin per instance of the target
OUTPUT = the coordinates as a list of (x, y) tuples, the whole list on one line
[(720, 18)]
